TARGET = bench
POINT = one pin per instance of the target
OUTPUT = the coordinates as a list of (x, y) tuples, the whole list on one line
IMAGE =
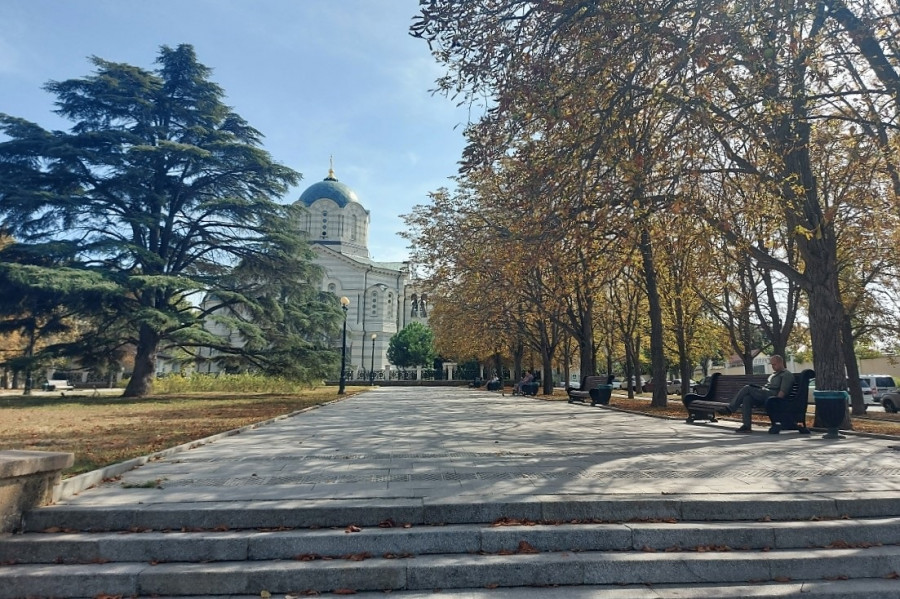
[(786, 413), (588, 389), (531, 388), (55, 384)]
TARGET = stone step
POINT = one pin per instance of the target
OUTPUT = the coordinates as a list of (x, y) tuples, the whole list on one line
[(212, 546), (460, 571), (824, 589), (371, 512)]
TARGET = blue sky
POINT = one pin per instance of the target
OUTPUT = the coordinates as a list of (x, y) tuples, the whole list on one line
[(316, 77)]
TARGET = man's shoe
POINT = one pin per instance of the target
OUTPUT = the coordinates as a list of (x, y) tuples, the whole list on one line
[(744, 429), (775, 429), (726, 411)]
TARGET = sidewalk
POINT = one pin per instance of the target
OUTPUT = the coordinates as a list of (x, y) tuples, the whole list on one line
[(438, 444)]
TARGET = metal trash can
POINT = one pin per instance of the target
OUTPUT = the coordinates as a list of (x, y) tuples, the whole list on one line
[(601, 394), (831, 407)]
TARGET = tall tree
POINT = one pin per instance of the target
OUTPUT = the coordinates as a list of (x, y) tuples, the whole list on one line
[(158, 186), (412, 346)]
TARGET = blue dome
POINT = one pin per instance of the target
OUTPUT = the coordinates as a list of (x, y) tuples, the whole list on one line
[(330, 188)]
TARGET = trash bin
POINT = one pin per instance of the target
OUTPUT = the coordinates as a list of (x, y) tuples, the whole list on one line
[(831, 406), (601, 394)]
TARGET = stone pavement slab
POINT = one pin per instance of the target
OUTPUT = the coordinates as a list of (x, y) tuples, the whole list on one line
[(450, 444)]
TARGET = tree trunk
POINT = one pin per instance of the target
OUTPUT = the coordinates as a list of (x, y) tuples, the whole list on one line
[(825, 324), (588, 365), (636, 356), (144, 364), (657, 351), (546, 373), (857, 403), (629, 367)]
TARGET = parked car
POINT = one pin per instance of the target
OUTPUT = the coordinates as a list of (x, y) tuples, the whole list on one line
[(674, 387), (880, 384), (891, 401), (868, 397), (634, 385)]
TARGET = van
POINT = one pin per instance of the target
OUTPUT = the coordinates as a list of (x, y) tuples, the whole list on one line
[(879, 383)]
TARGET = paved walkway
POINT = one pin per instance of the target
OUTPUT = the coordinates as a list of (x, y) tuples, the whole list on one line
[(462, 444)]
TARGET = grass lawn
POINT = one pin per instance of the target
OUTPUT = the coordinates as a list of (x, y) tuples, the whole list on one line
[(108, 429)]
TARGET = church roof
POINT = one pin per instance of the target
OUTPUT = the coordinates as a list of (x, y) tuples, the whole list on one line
[(329, 188)]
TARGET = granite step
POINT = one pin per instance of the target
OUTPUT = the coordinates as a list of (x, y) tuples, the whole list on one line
[(286, 544), (235, 515), (458, 571)]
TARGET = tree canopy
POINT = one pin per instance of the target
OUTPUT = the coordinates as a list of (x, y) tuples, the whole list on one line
[(756, 124), (164, 191), (412, 346)]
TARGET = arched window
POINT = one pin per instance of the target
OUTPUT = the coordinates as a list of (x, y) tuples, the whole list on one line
[(423, 308), (353, 225), (414, 300), (332, 287)]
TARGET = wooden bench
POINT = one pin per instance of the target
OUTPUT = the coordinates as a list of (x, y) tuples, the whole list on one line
[(56, 384), (786, 413), (588, 389)]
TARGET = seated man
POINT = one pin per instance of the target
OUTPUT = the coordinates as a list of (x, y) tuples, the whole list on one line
[(526, 378), (779, 385)]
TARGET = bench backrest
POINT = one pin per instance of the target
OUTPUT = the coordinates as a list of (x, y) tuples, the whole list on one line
[(723, 387), (591, 382), (800, 391)]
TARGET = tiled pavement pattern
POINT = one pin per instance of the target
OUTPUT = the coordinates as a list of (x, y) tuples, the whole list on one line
[(442, 443)]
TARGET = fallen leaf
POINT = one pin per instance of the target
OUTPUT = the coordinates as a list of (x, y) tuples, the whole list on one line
[(353, 528), (357, 557), (526, 547), (386, 523), (265, 595), (307, 557), (344, 592)]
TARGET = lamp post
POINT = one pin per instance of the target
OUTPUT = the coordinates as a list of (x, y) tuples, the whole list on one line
[(345, 303), (372, 369)]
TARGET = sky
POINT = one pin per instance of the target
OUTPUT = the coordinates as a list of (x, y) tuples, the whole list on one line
[(318, 78)]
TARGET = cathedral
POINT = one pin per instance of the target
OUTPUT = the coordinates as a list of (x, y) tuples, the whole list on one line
[(383, 297)]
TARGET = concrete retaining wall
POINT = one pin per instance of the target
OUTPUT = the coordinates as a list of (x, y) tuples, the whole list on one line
[(27, 479)]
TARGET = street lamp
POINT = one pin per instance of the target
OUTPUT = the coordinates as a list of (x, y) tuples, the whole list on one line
[(345, 303), (372, 369)]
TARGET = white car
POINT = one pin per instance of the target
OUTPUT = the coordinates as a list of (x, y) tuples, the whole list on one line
[(868, 397), (880, 384)]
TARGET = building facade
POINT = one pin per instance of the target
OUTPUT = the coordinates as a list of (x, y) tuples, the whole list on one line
[(383, 296)]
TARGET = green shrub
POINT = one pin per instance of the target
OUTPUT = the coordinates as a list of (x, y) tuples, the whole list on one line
[(226, 383)]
